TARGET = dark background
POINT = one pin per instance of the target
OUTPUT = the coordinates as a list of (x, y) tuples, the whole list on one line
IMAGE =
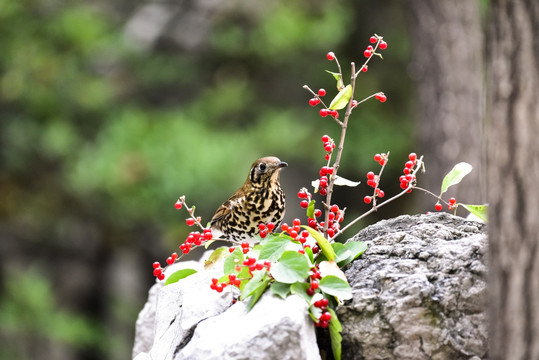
[(109, 111)]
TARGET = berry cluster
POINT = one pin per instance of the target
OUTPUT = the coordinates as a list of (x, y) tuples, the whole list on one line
[(451, 205), (380, 97), (329, 145), (373, 181), (266, 229), (250, 263), (407, 181), (381, 158), (195, 238), (316, 99), (324, 319), (375, 39)]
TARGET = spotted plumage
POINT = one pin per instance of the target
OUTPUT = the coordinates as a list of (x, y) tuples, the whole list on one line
[(259, 200)]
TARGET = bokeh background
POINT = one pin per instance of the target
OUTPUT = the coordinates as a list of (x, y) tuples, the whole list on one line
[(110, 110)]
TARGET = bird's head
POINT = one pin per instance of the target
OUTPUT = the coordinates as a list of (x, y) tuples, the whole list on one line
[(266, 170)]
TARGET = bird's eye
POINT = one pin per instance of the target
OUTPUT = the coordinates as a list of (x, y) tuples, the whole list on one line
[(262, 167)]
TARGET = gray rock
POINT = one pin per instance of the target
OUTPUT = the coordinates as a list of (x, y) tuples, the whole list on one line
[(419, 290), (188, 320), (419, 293), (273, 329)]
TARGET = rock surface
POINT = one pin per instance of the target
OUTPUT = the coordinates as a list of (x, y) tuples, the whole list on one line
[(419, 291), (188, 320)]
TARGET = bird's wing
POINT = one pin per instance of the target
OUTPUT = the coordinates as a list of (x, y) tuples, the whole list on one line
[(225, 209)]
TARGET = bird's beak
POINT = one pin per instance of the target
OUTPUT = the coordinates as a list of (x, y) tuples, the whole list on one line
[(281, 164)]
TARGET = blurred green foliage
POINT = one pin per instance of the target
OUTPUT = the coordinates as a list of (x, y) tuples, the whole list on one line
[(94, 131)]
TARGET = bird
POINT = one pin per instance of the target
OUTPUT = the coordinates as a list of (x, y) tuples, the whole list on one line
[(259, 200)]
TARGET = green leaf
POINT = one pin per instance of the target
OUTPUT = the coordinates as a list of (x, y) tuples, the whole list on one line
[(323, 243), (233, 259), (338, 77), (300, 289), (274, 247), (310, 254), (341, 100), (291, 267), (336, 286), (356, 249), (453, 177), (335, 329), (178, 275), (481, 211), (258, 293), (253, 284), (280, 289), (215, 256), (310, 209), (342, 252)]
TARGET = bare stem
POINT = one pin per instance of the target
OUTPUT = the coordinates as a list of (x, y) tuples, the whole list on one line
[(340, 147)]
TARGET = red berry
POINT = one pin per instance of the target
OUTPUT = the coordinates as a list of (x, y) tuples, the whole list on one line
[(406, 171), (412, 157), (156, 265), (404, 185), (284, 227), (371, 183), (334, 208), (330, 55), (370, 175), (324, 112), (310, 291), (331, 232), (328, 148), (157, 272), (270, 226), (313, 101), (261, 226), (373, 39), (367, 199), (370, 48), (161, 276), (190, 221), (231, 249), (305, 234), (323, 192), (367, 53), (314, 285), (377, 157), (382, 98), (304, 204), (381, 193), (322, 92), (323, 183), (325, 316), (178, 205), (170, 260), (263, 233), (296, 222), (438, 207), (382, 45), (327, 157), (365, 68), (325, 138), (409, 164), (245, 244), (452, 201), (317, 212)]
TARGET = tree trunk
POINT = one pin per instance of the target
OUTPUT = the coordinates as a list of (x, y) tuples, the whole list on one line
[(447, 65), (513, 174)]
